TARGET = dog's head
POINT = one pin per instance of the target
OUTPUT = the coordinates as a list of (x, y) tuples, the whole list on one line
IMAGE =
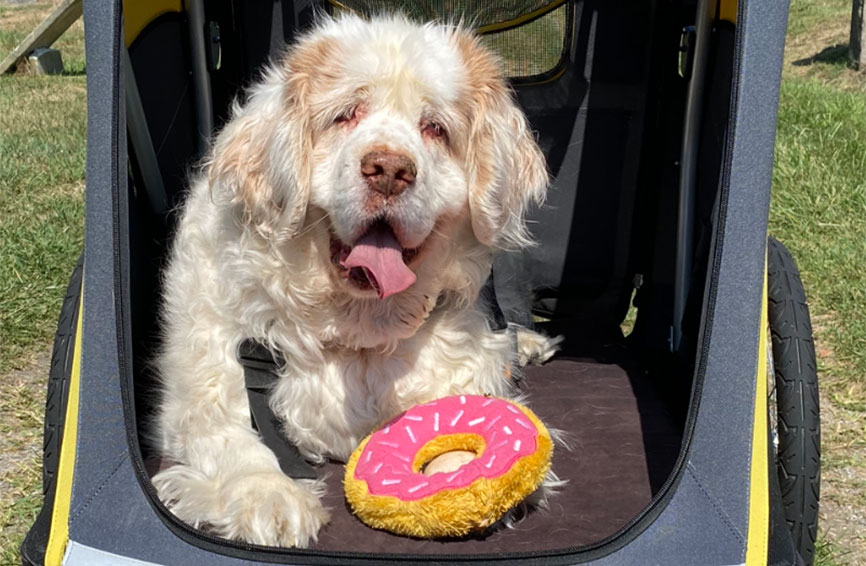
[(402, 141)]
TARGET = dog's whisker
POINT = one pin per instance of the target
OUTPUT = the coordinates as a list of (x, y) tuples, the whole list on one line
[(309, 228)]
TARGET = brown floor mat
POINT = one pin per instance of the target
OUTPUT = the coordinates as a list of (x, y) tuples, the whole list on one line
[(624, 446), (624, 441)]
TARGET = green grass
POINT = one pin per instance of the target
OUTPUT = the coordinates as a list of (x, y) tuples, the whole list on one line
[(20, 441), (819, 210), (41, 174), (805, 16), (826, 554)]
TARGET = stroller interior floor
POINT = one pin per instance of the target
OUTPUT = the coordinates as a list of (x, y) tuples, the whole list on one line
[(624, 446)]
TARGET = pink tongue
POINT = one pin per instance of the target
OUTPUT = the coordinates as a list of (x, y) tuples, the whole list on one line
[(380, 254)]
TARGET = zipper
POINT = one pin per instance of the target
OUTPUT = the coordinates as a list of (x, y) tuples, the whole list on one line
[(569, 555)]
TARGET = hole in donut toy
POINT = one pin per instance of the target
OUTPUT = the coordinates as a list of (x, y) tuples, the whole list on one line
[(448, 462), (448, 453)]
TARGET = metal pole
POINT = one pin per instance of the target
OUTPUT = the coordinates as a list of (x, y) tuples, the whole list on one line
[(200, 75), (705, 13)]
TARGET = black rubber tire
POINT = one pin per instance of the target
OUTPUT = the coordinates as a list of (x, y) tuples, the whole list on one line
[(798, 460), (33, 546), (58, 380)]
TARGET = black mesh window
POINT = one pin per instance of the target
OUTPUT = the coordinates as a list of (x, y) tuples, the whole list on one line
[(531, 36)]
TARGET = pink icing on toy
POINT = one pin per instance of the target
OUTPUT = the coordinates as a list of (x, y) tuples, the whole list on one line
[(386, 462)]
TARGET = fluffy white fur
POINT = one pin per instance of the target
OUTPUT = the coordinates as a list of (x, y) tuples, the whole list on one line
[(253, 258)]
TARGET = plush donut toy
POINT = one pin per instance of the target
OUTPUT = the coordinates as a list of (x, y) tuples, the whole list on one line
[(449, 467)]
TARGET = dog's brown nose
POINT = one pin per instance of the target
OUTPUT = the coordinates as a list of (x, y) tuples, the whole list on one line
[(388, 173)]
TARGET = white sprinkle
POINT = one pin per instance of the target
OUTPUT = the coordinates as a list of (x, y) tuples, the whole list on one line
[(474, 422), (450, 478), (386, 430), (411, 436), (517, 445), (389, 444), (367, 459), (490, 463), (390, 482), (493, 422), (486, 403), (512, 409), (463, 399), (499, 445), (436, 422), (415, 418), (417, 487), (377, 468), (457, 418), (402, 457), (507, 430), (523, 424)]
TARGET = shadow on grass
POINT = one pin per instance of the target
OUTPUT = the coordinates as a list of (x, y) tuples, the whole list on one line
[(834, 55)]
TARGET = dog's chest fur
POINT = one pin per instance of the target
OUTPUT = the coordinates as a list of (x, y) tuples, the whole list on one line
[(328, 408)]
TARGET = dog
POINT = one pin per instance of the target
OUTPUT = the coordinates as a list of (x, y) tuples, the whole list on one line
[(346, 218)]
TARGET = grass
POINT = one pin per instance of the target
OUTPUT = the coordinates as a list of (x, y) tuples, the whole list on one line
[(818, 209), (42, 172), (42, 129), (42, 132)]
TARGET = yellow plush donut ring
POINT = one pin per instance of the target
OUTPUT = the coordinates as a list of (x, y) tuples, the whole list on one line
[(391, 482)]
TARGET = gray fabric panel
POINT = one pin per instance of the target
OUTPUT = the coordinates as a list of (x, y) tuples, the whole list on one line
[(102, 436), (690, 531), (721, 447), (118, 519), (81, 555)]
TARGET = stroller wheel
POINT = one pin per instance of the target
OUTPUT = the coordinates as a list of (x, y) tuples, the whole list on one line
[(33, 547), (794, 409)]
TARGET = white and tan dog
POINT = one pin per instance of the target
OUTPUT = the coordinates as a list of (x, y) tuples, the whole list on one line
[(346, 218)]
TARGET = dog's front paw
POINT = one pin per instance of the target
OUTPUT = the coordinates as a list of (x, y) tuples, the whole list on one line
[(534, 347), (265, 508), (271, 509)]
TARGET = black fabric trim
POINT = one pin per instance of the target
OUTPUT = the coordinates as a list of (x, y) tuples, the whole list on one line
[(259, 377), (496, 318)]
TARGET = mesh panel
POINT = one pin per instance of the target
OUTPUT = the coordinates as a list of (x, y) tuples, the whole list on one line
[(529, 35), (535, 50)]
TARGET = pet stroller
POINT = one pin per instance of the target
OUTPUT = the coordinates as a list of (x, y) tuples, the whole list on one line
[(695, 431)]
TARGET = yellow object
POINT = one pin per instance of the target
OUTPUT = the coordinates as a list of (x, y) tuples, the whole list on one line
[(451, 512), (728, 11), (137, 14), (58, 535), (759, 488)]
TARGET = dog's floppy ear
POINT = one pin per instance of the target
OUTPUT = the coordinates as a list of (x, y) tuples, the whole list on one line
[(261, 159), (507, 171)]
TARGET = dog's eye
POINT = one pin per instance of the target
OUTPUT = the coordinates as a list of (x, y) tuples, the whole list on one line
[(433, 130), (346, 116)]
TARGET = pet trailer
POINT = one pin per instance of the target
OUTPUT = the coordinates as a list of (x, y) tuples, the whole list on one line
[(694, 431)]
